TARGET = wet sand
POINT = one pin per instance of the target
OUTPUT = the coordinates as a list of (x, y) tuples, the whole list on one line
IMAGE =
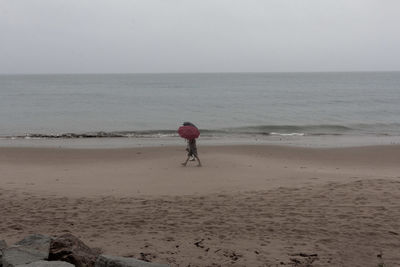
[(247, 206)]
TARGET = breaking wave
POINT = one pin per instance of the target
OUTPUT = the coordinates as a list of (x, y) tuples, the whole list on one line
[(261, 130)]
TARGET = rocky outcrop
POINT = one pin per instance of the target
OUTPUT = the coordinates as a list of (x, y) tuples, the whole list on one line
[(16, 256), (38, 243), (70, 249), (3, 245), (47, 264), (113, 261), (63, 251), (30, 249)]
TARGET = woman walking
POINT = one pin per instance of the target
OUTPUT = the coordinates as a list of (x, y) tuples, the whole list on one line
[(192, 152), (190, 132)]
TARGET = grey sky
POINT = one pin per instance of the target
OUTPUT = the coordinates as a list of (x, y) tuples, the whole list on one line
[(97, 36)]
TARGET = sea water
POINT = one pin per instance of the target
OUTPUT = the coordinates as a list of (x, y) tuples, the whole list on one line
[(147, 108)]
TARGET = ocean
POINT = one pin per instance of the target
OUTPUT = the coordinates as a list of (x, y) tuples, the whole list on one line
[(246, 107)]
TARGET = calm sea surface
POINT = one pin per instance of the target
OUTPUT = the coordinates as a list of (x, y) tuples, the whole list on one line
[(236, 104)]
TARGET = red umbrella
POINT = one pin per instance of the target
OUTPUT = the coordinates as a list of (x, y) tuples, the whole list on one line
[(188, 132)]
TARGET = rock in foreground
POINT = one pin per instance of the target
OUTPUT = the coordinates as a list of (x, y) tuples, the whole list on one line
[(113, 261), (30, 249), (65, 251), (70, 249), (47, 264), (3, 245)]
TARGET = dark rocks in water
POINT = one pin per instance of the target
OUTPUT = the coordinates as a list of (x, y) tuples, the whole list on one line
[(113, 261), (70, 249), (76, 135), (30, 249)]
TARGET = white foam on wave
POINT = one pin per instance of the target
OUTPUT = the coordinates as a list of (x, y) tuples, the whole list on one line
[(288, 134)]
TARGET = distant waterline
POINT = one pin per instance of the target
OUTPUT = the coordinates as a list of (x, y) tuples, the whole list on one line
[(230, 105)]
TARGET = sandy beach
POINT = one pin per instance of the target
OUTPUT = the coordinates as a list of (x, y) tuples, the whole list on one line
[(247, 206)]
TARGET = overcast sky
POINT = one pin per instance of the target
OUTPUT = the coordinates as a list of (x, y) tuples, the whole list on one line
[(129, 36)]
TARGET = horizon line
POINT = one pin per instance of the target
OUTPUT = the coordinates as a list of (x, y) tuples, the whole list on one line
[(217, 72)]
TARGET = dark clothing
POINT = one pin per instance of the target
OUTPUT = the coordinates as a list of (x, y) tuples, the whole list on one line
[(186, 123), (192, 148)]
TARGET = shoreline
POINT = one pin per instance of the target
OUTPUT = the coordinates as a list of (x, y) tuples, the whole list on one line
[(250, 204), (322, 141)]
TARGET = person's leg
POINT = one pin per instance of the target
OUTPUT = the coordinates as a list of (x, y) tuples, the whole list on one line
[(187, 159), (197, 157)]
